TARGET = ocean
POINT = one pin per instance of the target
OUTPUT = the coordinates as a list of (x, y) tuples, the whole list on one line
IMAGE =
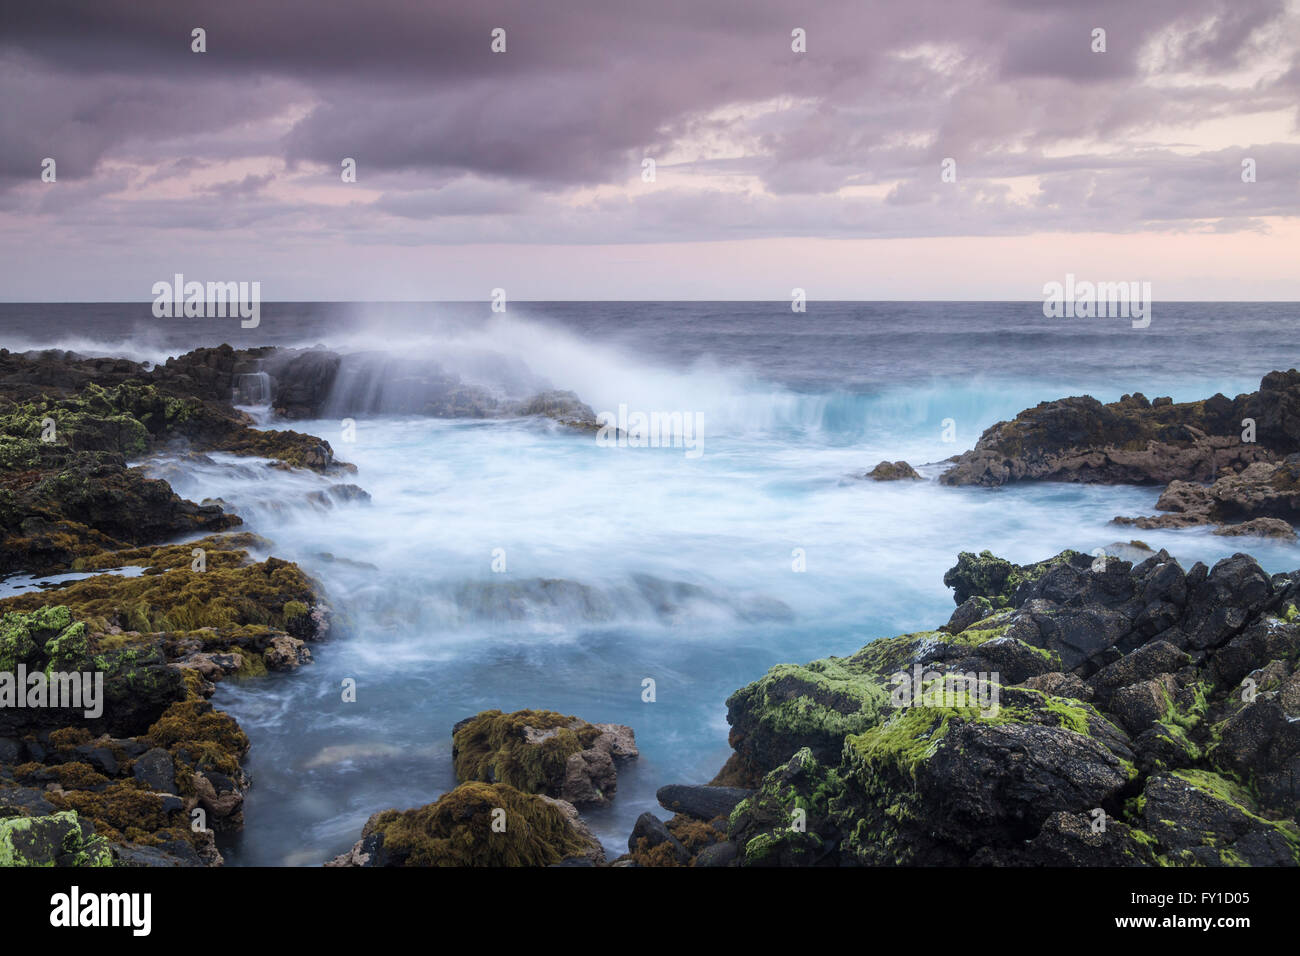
[(627, 564)]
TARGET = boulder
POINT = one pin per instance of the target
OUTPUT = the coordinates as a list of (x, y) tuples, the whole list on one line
[(650, 833), (476, 824), (704, 803), (892, 471), (543, 752), (156, 770), (1166, 689), (56, 839), (1133, 441)]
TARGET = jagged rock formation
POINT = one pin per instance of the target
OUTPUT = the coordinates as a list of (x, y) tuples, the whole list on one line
[(1134, 440), (1144, 714), (130, 778), (134, 775), (1234, 463), (1263, 499)]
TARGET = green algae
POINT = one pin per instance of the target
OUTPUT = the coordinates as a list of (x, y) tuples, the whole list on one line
[(910, 736), (23, 838), (482, 825), (826, 699), (180, 599), (995, 579), (27, 636), (494, 747), (1229, 791)]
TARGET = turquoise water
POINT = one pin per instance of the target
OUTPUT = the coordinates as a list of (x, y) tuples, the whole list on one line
[(622, 564)]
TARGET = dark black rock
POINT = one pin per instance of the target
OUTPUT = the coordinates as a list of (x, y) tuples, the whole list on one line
[(718, 854), (1076, 839), (172, 804), (705, 803), (101, 758), (156, 770), (1011, 659), (170, 853), (651, 829), (1219, 607), (24, 801), (1148, 661), (1080, 636), (968, 612), (1213, 831)]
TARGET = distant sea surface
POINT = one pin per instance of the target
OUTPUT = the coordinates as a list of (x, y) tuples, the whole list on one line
[(625, 563)]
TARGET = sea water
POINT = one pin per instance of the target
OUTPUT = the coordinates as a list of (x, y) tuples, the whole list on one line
[(513, 563)]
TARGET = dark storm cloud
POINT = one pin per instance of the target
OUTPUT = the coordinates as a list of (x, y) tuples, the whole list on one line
[(444, 128)]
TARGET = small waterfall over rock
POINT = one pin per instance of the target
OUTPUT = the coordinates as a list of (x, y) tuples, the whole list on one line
[(252, 390), (371, 383)]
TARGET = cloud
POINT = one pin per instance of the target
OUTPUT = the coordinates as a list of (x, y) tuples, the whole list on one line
[(543, 144)]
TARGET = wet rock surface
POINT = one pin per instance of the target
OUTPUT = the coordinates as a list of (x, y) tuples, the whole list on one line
[(543, 752), (892, 471), (1157, 728), (156, 772), (1135, 440), (1230, 463), (1262, 500), (151, 772), (476, 824)]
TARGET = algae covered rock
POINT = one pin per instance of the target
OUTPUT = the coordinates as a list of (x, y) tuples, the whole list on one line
[(158, 753), (654, 843), (818, 704), (1200, 817), (788, 821), (476, 824), (130, 688), (56, 839), (540, 751), (148, 751), (893, 471), (954, 786), (31, 637), (1125, 714), (1088, 839), (815, 706)]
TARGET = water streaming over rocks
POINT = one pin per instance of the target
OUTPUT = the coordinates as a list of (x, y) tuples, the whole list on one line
[(633, 563)]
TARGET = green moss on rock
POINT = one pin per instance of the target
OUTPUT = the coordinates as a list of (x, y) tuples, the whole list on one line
[(56, 839), (527, 749), (458, 830)]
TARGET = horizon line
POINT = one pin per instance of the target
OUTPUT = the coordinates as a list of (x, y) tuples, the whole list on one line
[(488, 301)]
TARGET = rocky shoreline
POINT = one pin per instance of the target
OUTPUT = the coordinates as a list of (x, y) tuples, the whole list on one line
[(1145, 715), (1230, 463), (153, 777), (1130, 712)]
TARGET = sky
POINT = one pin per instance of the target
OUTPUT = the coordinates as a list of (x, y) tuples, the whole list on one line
[(774, 168)]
